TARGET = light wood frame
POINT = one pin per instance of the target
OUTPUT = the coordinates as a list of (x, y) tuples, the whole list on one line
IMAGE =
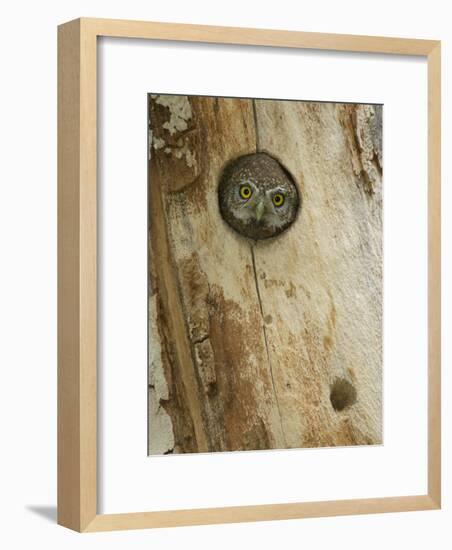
[(77, 393)]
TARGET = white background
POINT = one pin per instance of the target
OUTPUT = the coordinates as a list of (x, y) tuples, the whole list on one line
[(399, 467), (28, 289)]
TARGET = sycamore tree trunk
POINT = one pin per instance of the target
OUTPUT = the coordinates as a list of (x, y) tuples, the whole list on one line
[(275, 344)]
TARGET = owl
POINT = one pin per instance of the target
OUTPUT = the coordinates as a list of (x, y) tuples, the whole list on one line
[(257, 196)]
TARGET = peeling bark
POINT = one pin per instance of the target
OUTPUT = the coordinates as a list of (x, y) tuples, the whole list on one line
[(363, 127)]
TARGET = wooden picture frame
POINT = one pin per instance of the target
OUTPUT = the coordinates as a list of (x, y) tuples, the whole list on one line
[(77, 203)]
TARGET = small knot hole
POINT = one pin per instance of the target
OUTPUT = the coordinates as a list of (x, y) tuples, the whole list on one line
[(342, 395)]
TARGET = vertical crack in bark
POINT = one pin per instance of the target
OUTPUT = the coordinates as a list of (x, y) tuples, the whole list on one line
[(256, 127), (264, 330)]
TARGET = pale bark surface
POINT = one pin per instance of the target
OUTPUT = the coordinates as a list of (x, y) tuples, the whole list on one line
[(251, 345)]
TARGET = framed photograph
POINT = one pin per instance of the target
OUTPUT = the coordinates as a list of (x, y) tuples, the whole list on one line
[(248, 275)]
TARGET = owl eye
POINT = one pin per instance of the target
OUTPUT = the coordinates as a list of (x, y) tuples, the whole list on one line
[(245, 192), (278, 199)]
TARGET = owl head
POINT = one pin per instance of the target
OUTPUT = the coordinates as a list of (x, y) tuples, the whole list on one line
[(257, 196)]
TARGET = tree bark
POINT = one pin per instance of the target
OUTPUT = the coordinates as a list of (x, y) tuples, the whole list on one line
[(268, 344)]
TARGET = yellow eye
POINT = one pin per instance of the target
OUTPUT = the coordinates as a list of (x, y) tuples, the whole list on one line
[(245, 192), (278, 199)]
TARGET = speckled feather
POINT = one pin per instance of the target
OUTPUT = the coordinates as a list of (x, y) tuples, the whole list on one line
[(266, 176)]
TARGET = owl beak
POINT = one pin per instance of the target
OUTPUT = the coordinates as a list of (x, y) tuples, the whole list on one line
[(259, 210)]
